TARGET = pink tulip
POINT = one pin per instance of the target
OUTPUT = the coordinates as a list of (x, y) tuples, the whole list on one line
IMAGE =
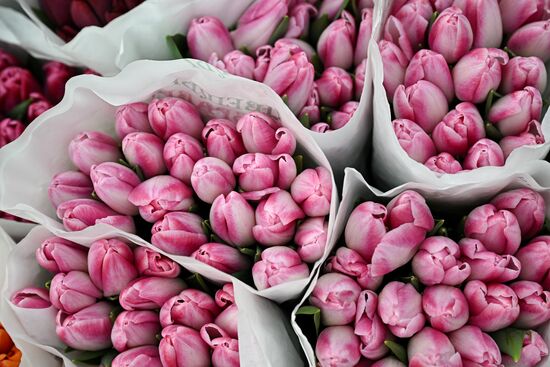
[(181, 151), (423, 102), (170, 115), (190, 308), (445, 307), (330, 8), (497, 229), (212, 177), (225, 349), (432, 347), (10, 130), (294, 43), (335, 87), (261, 134), (512, 113), (477, 72), (225, 296), (134, 329), (475, 347), (311, 239), (258, 171), (73, 291), (141, 356), (222, 140), (93, 147), (394, 63), (16, 86), (487, 30), (276, 219), (232, 219), (339, 35), (178, 233), (235, 62), (369, 328), (528, 207), (532, 39), (349, 262), (58, 255), (531, 136), (32, 298), (278, 265), (123, 223), (56, 76), (451, 35), (360, 72), (410, 207), (7, 60), (207, 35), (78, 214), (111, 266), (312, 190), (436, 262), (222, 257), (145, 151), (88, 329), (182, 346), (534, 304), (365, 228), (69, 185), (431, 66), (321, 127), (484, 152), (151, 263), (299, 21), (150, 293), (394, 31), (486, 265), (443, 163), (363, 36), (413, 139), (132, 118), (311, 109), (258, 23), (517, 13), (400, 307), (388, 362), (336, 295), (338, 346), (338, 119), (537, 254), (113, 183), (521, 72), (533, 351), (415, 15), (263, 58), (38, 106), (228, 320)]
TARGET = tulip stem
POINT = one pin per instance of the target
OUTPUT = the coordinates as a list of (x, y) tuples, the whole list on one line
[(299, 160), (280, 30), (509, 52), (489, 101), (343, 7)]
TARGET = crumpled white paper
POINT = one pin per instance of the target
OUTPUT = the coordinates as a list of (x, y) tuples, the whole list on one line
[(264, 333)]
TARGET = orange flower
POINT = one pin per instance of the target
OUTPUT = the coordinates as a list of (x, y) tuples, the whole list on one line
[(10, 356)]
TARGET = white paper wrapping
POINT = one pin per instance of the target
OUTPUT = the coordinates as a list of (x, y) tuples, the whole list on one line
[(392, 166), (356, 190)]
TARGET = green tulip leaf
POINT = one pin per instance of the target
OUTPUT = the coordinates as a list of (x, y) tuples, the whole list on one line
[(280, 30), (313, 311), (304, 120), (343, 7), (20, 111), (510, 341), (317, 28), (197, 281), (177, 44), (107, 359), (398, 350), (299, 160)]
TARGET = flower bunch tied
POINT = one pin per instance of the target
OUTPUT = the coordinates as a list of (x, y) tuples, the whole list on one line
[(405, 288), (312, 53), (466, 79)]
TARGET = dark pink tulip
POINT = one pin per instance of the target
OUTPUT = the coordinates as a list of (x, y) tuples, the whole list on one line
[(339, 35), (492, 306), (338, 346), (56, 76), (443, 163), (225, 349), (134, 329), (336, 295), (532, 39), (299, 20), (159, 195), (363, 36), (261, 134), (276, 219), (484, 152), (57, 254), (232, 219), (83, 15), (413, 139), (73, 291), (395, 63), (311, 109), (207, 35), (533, 351), (477, 72), (369, 328), (516, 13), (394, 31), (258, 171), (445, 307), (136, 357), (191, 308), (451, 35), (111, 265), (178, 233), (16, 86), (311, 239), (181, 346), (7, 60), (521, 72), (222, 257), (38, 106), (93, 147), (410, 207), (113, 183), (531, 136), (228, 320), (338, 119), (432, 347), (422, 102), (132, 118), (497, 229), (69, 185), (534, 304), (181, 151), (150, 293), (431, 66), (31, 297), (170, 115), (513, 112), (349, 262), (312, 190), (359, 74), (537, 254), (527, 205), (365, 228), (78, 214), (212, 177), (415, 15), (151, 263), (222, 140), (88, 329), (10, 130), (436, 262), (400, 307), (475, 347), (225, 296), (278, 265), (487, 30), (486, 265), (335, 87), (144, 150)]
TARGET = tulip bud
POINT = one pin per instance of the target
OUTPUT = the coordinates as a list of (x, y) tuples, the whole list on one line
[(312, 190), (78, 214), (311, 239), (394, 64), (296, 44), (58, 255), (276, 219), (537, 254), (145, 151), (69, 185), (394, 31), (170, 115), (258, 171), (73, 291), (517, 13), (190, 308), (207, 35), (532, 39), (31, 297), (451, 35), (91, 148), (178, 233), (337, 346), (475, 347), (338, 119), (349, 262), (225, 296), (261, 134), (150, 293), (365, 228), (430, 346), (410, 207), (181, 151), (113, 183), (232, 219), (56, 76), (484, 152), (151, 263), (523, 72), (263, 59), (16, 86), (321, 128), (534, 304), (225, 349), (445, 307), (487, 30), (431, 66), (335, 87), (299, 21), (486, 265), (88, 329), (336, 295), (134, 329), (477, 72), (10, 130), (38, 106), (339, 35), (311, 109), (228, 320), (404, 317), (531, 136), (222, 257), (330, 8), (369, 328), (222, 140), (7, 60), (415, 14), (533, 351), (235, 62), (363, 36), (278, 265), (528, 207), (212, 177), (132, 118), (514, 111), (182, 346), (141, 356), (443, 163), (388, 362), (123, 223), (360, 72), (414, 141)]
